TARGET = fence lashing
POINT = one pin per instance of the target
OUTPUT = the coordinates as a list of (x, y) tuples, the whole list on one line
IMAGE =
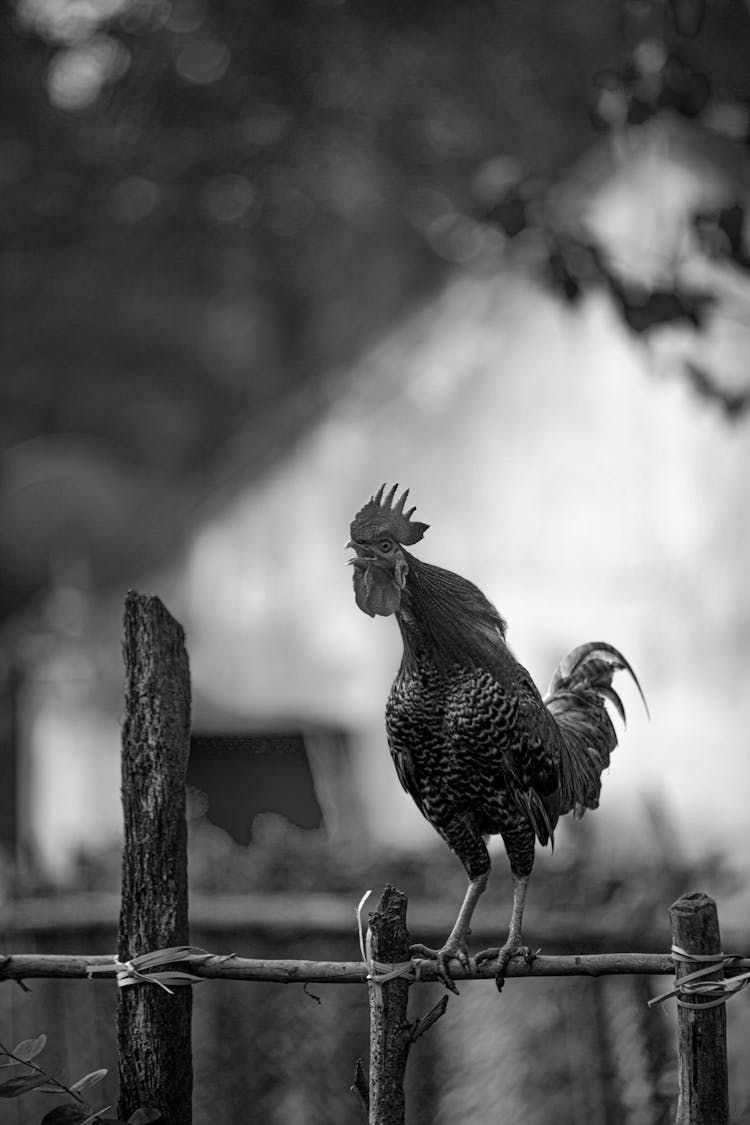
[(713, 992)]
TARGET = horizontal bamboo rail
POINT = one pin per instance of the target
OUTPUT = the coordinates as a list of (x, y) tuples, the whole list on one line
[(23, 966)]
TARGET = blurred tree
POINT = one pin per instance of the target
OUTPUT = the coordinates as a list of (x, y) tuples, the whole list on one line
[(211, 205), (675, 117)]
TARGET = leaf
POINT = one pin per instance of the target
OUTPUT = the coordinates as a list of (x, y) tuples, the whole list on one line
[(14, 1087), (30, 1048), (67, 1113), (87, 1081), (144, 1116), (5, 1060)]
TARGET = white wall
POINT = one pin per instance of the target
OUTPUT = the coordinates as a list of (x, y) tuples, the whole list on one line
[(589, 496)]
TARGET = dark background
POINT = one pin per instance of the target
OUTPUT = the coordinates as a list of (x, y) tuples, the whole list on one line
[(209, 209)]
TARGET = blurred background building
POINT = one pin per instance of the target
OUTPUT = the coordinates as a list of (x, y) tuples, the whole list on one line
[(259, 259)]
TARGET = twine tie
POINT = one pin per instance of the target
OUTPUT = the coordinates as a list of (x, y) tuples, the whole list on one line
[(378, 971), (715, 991)]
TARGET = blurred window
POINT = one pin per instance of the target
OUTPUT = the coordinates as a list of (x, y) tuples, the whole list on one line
[(243, 775)]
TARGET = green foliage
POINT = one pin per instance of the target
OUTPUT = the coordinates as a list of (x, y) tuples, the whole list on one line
[(77, 1112)]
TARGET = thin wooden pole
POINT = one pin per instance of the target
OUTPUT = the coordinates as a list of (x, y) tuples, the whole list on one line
[(702, 1031), (18, 966), (390, 1033), (153, 1027)]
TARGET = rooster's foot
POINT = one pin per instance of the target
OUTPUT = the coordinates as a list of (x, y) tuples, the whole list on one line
[(452, 949), (505, 954)]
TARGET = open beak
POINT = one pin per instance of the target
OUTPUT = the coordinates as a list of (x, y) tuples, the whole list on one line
[(362, 558)]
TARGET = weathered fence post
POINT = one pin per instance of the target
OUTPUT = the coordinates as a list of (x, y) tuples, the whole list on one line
[(701, 1032), (390, 1033), (153, 1027)]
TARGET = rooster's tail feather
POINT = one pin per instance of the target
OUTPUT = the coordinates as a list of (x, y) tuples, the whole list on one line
[(575, 698)]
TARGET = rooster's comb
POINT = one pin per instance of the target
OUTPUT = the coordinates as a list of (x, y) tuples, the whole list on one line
[(380, 515)]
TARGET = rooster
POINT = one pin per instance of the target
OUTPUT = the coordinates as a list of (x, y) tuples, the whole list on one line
[(474, 742)]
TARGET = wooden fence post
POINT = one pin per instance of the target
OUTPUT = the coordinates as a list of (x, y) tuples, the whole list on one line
[(153, 1028), (701, 1033), (390, 1033)]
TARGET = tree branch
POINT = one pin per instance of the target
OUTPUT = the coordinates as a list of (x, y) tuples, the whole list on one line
[(424, 1023)]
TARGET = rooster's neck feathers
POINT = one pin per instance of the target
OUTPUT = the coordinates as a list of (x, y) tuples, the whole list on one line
[(448, 620)]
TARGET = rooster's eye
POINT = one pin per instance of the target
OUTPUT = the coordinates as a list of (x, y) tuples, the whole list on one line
[(385, 544)]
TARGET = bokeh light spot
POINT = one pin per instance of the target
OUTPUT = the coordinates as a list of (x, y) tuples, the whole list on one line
[(68, 21), (186, 16), (457, 238), (133, 199), (729, 118), (77, 74), (496, 177), (227, 198), (203, 61)]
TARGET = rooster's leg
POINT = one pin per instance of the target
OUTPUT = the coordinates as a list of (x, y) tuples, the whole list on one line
[(455, 944), (513, 946), (520, 842), (464, 838)]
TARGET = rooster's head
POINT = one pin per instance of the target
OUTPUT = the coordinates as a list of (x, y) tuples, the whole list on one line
[(379, 532)]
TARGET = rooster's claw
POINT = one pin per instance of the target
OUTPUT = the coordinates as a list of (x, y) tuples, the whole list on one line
[(505, 954), (443, 957)]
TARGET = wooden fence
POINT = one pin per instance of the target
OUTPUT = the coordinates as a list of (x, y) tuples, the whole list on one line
[(155, 965)]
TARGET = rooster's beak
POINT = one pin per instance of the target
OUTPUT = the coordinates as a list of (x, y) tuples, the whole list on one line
[(362, 559)]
